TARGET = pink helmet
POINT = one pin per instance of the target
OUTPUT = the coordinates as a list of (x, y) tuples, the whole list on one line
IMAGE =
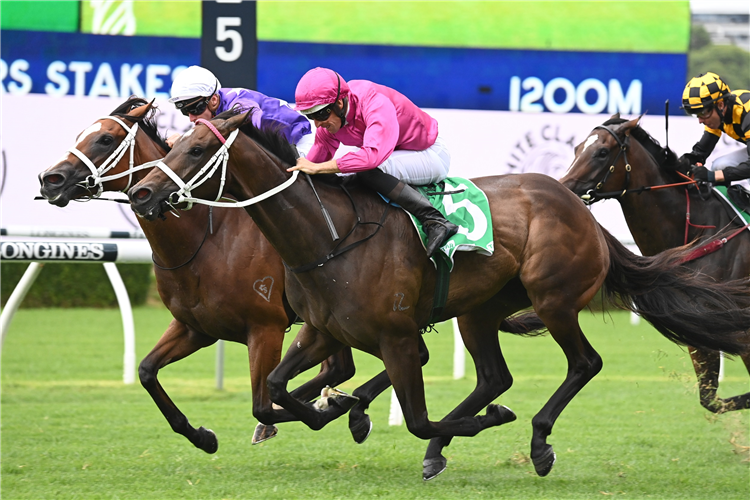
[(318, 88)]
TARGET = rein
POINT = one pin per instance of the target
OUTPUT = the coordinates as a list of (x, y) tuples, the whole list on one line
[(209, 229), (220, 158), (97, 178), (594, 195), (338, 251)]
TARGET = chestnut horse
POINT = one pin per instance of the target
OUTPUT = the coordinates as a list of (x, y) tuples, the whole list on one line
[(663, 218), (216, 273), (374, 291)]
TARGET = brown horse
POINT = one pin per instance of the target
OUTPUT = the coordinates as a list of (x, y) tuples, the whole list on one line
[(663, 218), (216, 273), (550, 253)]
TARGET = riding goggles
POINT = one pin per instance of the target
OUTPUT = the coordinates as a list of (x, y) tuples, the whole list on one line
[(193, 108), (703, 112), (321, 115)]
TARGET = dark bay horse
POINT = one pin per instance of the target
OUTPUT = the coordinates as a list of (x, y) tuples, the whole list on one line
[(550, 253), (216, 272), (663, 218)]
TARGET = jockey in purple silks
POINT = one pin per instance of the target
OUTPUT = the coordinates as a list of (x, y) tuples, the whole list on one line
[(398, 143), (197, 93)]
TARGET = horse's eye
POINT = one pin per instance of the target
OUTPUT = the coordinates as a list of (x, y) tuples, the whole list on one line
[(105, 140), (196, 151), (602, 153)]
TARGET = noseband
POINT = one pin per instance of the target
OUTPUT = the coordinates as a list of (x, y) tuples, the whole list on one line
[(220, 158), (594, 195), (97, 178)]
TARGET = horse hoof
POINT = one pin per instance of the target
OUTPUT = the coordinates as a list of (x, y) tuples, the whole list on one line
[(432, 467), (345, 401), (208, 441), (543, 464), (264, 433), (505, 414), (361, 430)]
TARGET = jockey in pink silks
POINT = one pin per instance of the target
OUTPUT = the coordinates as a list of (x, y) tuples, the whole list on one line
[(398, 143)]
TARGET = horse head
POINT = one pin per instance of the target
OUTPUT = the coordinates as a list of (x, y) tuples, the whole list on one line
[(602, 161), (189, 168), (108, 146)]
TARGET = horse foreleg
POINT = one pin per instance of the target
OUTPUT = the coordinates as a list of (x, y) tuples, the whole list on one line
[(177, 342), (479, 332), (706, 364), (335, 370), (360, 424), (308, 349), (583, 364)]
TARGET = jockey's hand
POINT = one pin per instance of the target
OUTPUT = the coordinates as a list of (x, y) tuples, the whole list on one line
[(308, 167), (172, 139), (702, 174)]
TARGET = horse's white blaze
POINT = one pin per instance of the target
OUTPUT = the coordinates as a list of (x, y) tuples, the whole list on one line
[(96, 127), (591, 140)]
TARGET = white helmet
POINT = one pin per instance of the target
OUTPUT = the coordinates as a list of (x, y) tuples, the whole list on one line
[(193, 82)]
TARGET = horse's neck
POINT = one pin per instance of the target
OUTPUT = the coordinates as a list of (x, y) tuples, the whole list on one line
[(293, 211), (173, 240)]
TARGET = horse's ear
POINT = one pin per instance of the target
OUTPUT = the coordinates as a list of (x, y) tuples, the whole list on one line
[(142, 110), (236, 121), (616, 116), (630, 125)]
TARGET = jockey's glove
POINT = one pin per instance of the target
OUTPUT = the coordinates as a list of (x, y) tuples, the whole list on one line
[(703, 174)]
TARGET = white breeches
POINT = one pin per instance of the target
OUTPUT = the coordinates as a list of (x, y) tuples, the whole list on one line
[(730, 160), (419, 167)]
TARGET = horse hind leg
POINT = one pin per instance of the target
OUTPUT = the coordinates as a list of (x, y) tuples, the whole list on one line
[(583, 364), (360, 424), (177, 342), (706, 364), (479, 332)]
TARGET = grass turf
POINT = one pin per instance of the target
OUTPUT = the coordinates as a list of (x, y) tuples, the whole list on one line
[(71, 429)]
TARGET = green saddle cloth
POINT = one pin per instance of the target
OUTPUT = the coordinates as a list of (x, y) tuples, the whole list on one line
[(465, 205), (730, 198)]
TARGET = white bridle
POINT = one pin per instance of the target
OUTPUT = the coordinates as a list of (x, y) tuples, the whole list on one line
[(97, 177), (220, 158)]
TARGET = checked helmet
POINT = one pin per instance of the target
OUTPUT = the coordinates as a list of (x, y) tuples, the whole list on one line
[(702, 91)]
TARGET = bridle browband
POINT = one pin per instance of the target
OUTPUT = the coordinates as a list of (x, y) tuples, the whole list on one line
[(594, 195), (220, 158), (97, 177)]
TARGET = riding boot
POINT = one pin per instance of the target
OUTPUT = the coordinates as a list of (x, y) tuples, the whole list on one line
[(437, 227)]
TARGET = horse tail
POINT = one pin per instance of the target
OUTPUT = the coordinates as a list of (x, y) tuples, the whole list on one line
[(686, 306), (526, 324)]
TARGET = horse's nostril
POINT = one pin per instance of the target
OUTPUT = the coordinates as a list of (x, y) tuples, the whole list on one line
[(141, 194), (53, 179)]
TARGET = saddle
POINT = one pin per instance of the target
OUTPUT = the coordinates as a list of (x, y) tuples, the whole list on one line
[(738, 197)]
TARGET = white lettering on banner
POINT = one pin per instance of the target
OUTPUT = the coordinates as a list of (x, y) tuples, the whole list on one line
[(52, 251), (153, 82), (610, 97), (21, 82), (104, 82), (129, 83), (543, 152), (55, 76), (80, 68)]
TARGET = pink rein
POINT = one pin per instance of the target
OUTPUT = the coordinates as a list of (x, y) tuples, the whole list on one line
[(212, 129)]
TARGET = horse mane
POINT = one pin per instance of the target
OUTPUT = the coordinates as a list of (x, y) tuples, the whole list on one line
[(664, 157), (147, 122), (270, 137)]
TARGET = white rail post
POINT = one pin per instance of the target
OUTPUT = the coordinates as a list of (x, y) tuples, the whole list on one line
[(126, 311), (459, 353), (15, 299), (396, 416), (220, 364)]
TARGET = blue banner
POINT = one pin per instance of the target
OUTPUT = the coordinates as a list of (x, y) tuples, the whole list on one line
[(516, 80), (92, 65), (433, 77)]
